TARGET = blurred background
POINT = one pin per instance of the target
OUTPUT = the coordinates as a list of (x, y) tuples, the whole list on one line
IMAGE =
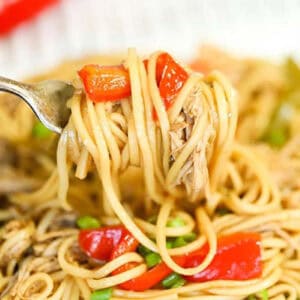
[(38, 34)]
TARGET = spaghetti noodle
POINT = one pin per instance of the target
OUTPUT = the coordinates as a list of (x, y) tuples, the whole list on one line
[(198, 187)]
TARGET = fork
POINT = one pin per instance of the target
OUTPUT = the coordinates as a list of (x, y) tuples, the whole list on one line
[(47, 99)]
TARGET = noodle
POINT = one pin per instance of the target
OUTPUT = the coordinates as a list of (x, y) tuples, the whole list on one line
[(128, 160)]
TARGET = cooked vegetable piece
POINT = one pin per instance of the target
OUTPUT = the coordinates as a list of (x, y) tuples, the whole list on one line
[(112, 83), (150, 278), (173, 280), (128, 243), (173, 77), (152, 259), (277, 137), (179, 242), (175, 222), (40, 131), (180, 282), (278, 133), (169, 244), (105, 83), (104, 294), (264, 294), (238, 257), (88, 222), (143, 250), (100, 243), (190, 237)]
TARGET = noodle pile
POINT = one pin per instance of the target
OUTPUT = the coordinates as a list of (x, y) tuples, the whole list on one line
[(116, 162)]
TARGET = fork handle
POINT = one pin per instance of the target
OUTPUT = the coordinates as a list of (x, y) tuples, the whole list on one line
[(22, 90)]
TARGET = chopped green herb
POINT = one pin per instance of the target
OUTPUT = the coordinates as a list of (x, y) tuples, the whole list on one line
[(179, 242), (88, 222), (172, 280), (152, 259), (40, 131), (143, 250), (104, 294), (175, 222)]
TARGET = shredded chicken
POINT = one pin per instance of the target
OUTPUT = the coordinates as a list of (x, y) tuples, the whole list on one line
[(16, 236), (194, 173), (29, 252)]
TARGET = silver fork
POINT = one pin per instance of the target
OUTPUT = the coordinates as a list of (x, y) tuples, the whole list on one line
[(47, 99)]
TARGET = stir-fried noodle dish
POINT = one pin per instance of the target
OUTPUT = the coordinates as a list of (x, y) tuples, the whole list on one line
[(170, 181)]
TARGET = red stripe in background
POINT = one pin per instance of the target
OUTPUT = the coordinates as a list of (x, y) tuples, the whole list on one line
[(13, 13)]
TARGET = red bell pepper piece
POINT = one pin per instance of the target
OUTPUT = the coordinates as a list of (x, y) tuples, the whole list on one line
[(201, 66), (172, 78), (160, 65), (12, 13), (100, 243), (238, 257), (105, 83), (150, 278), (112, 83), (128, 243)]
